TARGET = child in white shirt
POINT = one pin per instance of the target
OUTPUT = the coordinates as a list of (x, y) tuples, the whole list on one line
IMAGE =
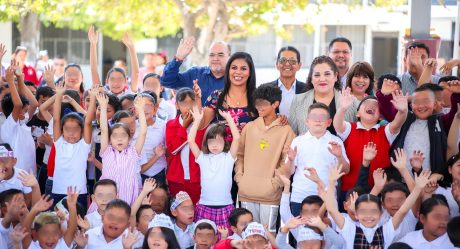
[(18, 107), (317, 149), (72, 141)]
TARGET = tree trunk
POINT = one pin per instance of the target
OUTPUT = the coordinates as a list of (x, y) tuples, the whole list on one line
[(29, 27), (215, 30)]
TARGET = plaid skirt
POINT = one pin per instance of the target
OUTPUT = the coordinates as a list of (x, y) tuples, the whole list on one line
[(218, 215)]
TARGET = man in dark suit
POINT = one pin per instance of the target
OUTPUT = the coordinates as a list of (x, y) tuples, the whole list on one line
[(288, 63)]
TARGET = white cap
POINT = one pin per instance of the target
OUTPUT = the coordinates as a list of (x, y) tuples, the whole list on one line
[(4, 152), (210, 222), (306, 233), (254, 228), (180, 197), (161, 220)]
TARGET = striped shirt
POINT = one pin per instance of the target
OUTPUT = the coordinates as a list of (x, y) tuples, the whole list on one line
[(122, 167)]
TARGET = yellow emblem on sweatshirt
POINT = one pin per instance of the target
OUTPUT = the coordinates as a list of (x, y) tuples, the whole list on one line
[(263, 144)]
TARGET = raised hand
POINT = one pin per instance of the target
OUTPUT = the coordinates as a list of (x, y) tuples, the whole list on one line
[(43, 204), (197, 114), (48, 74), (66, 99), (93, 35), (139, 103), (346, 99), (72, 196), (431, 63), (369, 152), (335, 149), (60, 88), (415, 55), (102, 99), (185, 47), (196, 89), (129, 239), (18, 234), (354, 196), (400, 162), (335, 173), (9, 75), (380, 178), (454, 86), (223, 231), (28, 179), (447, 67), (416, 160), (83, 223), (2, 51), (14, 205), (430, 187), (422, 180), (81, 239), (160, 150), (127, 41), (17, 68), (296, 222), (316, 221), (149, 185), (312, 175), (399, 101), (290, 153), (389, 86), (226, 115)]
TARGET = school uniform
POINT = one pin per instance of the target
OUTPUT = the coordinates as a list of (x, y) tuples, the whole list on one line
[(185, 238), (312, 152), (94, 218), (19, 136), (96, 239), (417, 240), (155, 136), (453, 206)]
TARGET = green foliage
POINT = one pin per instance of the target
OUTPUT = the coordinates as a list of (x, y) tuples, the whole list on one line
[(158, 18)]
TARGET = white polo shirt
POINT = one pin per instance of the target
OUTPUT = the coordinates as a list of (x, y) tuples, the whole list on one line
[(417, 240), (453, 206), (96, 240), (19, 136), (312, 152), (14, 183), (185, 238), (94, 218)]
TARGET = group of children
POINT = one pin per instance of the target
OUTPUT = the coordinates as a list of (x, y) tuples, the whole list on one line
[(122, 170)]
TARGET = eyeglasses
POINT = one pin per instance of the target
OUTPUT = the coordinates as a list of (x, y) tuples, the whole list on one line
[(290, 61)]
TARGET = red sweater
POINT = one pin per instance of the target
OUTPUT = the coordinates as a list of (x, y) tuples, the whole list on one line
[(354, 145), (176, 138)]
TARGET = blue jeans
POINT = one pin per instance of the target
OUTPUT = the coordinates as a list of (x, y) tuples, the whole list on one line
[(296, 208)]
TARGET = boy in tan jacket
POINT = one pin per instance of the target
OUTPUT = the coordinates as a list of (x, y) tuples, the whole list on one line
[(260, 153)]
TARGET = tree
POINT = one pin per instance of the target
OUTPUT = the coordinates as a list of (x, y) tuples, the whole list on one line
[(208, 20)]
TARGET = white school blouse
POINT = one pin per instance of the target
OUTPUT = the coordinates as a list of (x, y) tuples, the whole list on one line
[(417, 240), (348, 232), (96, 239), (70, 170), (60, 245)]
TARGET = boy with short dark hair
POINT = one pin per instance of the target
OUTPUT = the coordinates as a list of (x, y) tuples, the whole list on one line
[(260, 153), (13, 208), (316, 150), (204, 234), (239, 218)]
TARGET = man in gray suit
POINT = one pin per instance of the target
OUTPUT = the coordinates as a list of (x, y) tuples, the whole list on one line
[(288, 63)]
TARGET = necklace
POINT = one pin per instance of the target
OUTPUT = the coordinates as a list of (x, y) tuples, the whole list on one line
[(236, 101)]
